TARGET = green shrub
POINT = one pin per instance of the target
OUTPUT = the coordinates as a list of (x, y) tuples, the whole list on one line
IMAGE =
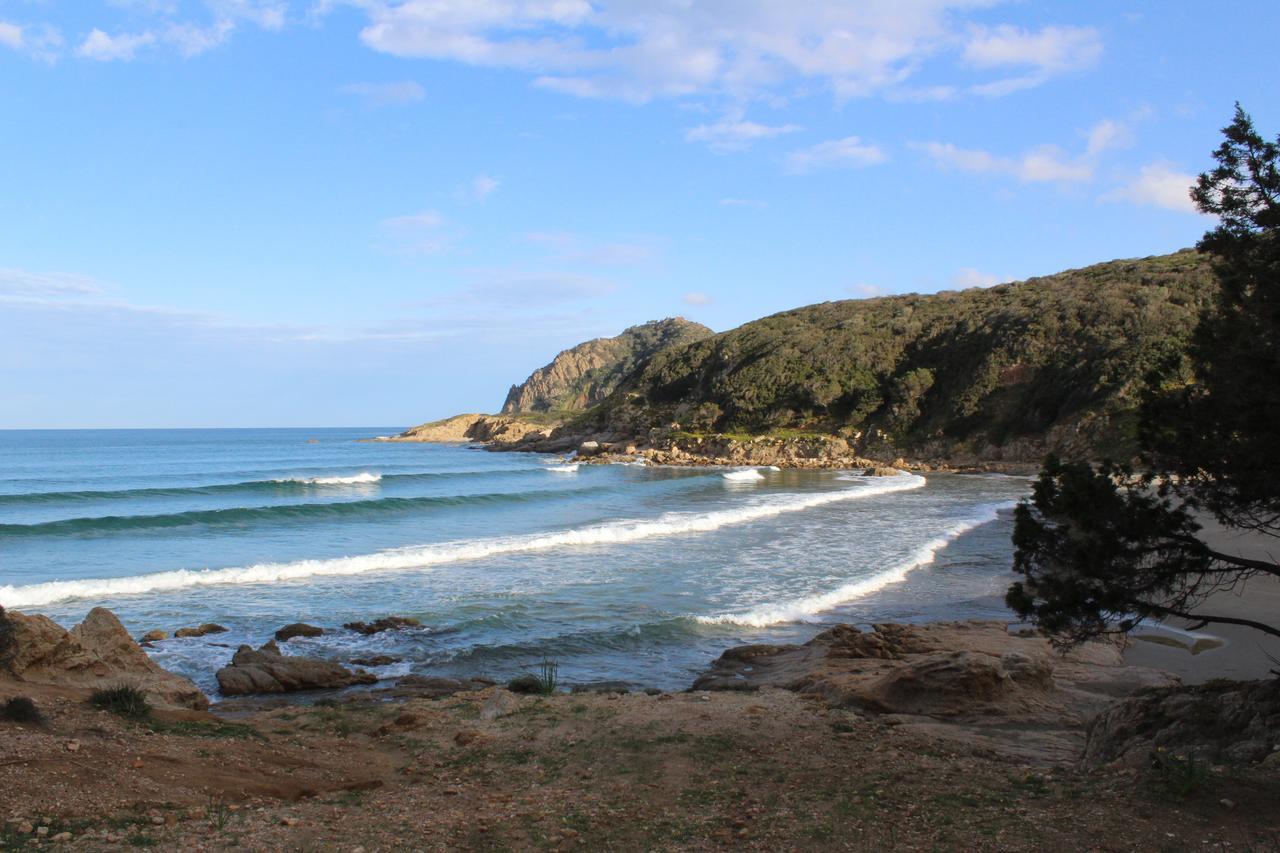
[(21, 709), (123, 699)]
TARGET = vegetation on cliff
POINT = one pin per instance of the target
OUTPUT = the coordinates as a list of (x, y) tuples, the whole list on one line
[(584, 375), (1054, 360)]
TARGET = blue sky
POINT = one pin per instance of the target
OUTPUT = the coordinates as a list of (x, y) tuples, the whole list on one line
[(350, 212)]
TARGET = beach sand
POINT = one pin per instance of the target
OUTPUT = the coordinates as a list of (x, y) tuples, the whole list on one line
[(1239, 652)]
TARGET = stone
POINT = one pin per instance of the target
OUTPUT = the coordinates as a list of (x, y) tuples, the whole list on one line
[(97, 653), (589, 448), (387, 623), (25, 828), (297, 629), (201, 630), (61, 837), (266, 670), (500, 704), (155, 636), (882, 472), (376, 660)]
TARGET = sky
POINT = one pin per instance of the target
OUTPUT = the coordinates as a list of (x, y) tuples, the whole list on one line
[(380, 212)]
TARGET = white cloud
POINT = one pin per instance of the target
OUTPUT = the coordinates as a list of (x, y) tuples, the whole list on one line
[(865, 290), (1045, 53), (696, 298), (268, 14), (191, 40), (968, 277), (1106, 135), (1040, 165), (385, 94), (481, 187), (835, 153), (1157, 185), (107, 48), (735, 133), (743, 202), (16, 282), (422, 233), (638, 50), (11, 35), (39, 42)]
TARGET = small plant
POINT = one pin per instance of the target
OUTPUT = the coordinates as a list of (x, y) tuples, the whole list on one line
[(549, 669), (123, 699), (20, 709), (1180, 775)]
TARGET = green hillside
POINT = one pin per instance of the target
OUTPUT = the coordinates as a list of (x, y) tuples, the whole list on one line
[(1050, 360)]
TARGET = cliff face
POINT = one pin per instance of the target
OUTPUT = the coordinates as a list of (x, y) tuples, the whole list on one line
[(1003, 372), (581, 377)]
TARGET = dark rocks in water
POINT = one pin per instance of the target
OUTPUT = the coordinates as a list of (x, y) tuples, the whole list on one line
[(1232, 722), (527, 684), (265, 670), (201, 631), (298, 629), (878, 471), (375, 660), (386, 623), (154, 636)]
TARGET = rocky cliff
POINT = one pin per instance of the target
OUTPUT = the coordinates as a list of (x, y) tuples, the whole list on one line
[(584, 375)]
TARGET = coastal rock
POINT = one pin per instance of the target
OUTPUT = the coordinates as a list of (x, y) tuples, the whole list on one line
[(1221, 722), (963, 680), (499, 429), (500, 704), (298, 629), (882, 472), (266, 670), (96, 653), (375, 660), (154, 636), (580, 377), (201, 630), (386, 623), (589, 448)]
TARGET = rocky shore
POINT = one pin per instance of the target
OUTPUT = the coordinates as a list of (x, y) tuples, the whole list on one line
[(949, 735), (514, 433)]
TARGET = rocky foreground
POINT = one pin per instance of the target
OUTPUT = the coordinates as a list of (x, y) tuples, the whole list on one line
[(946, 736)]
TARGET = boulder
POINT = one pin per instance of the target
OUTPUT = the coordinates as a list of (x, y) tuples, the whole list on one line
[(500, 704), (387, 623), (154, 636), (588, 449), (201, 630), (375, 660), (526, 684), (297, 629), (266, 670), (882, 472), (96, 653)]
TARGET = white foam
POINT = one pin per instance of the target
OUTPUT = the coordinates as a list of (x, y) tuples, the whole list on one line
[(746, 475), (363, 478), (571, 468), (805, 609), (421, 557)]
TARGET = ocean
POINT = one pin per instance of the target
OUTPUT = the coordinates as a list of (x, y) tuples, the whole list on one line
[(617, 572)]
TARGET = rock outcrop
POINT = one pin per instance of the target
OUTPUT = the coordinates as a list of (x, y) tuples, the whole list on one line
[(386, 623), (266, 670), (580, 377), (491, 429), (1219, 722), (298, 629), (968, 680), (96, 653)]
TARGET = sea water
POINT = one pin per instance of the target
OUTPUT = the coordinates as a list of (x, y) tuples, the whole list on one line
[(630, 573)]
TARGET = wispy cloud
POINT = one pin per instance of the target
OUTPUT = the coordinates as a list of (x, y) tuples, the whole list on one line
[(478, 189), (424, 233), (385, 94), (565, 247), (849, 152), (1157, 184), (122, 47), (968, 277), (734, 133), (696, 298), (1047, 164), (641, 51), (39, 41), (1043, 53)]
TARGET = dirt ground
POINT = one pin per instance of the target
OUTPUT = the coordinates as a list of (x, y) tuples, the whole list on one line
[(770, 770)]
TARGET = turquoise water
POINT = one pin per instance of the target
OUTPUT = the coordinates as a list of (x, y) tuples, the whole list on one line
[(620, 572)]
